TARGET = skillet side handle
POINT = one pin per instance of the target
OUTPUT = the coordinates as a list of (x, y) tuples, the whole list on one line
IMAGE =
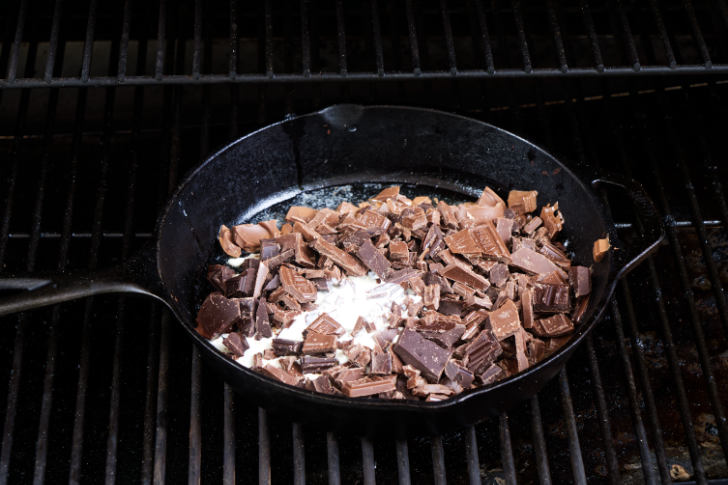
[(650, 223), (136, 275)]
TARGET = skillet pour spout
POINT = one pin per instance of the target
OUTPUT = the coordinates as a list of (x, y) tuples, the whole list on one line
[(353, 145)]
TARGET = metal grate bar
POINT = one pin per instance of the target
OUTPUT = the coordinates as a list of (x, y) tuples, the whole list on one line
[(124, 43), (268, 15), (509, 466), (88, 44), (471, 456), (264, 477), (654, 6), (558, 40), (518, 17), (299, 455), (593, 39), (233, 55), (194, 454), (341, 35), (377, 35), (629, 39), (161, 40), (368, 464), (412, 35), (648, 465), (160, 436), (542, 458), (577, 462), (449, 42), (197, 42), (484, 37), (697, 33), (403, 464), (439, 476), (150, 398), (604, 421), (332, 459), (53, 41), (15, 48), (228, 436), (647, 394), (305, 40)]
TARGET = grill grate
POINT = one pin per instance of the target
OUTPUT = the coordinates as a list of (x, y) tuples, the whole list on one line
[(109, 389)]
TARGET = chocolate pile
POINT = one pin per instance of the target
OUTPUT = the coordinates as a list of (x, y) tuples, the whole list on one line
[(490, 293)]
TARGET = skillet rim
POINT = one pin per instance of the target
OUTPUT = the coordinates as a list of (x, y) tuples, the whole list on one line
[(376, 404)]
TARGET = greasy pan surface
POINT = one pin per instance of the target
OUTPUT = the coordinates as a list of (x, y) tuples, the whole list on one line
[(436, 154)]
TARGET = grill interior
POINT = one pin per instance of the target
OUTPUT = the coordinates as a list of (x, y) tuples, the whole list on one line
[(104, 108)]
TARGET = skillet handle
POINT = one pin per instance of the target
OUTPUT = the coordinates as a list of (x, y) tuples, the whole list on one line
[(136, 275), (651, 227)]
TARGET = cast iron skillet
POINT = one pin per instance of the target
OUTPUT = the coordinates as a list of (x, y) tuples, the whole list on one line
[(346, 144)]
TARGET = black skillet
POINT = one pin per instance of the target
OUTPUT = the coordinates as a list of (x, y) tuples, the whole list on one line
[(438, 153)]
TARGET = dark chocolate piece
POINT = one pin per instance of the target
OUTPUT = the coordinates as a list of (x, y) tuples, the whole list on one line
[(580, 309), (422, 354), (462, 242), (277, 260), (482, 351), (373, 259), (218, 274), (241, 285), (369, 386), (236, 344), (280, 374), (360, 355), (314, 365), (580, 280), (445, 338), (491, 244), (555, 254), (217, 315), (385, 337), (381, 363), (262, 324), (553, 326), (527, 308), (297, 286), (326, 325), (268, 249), (459, 374), (286, 347), (492, 374), (340, 257), (499, 274), (323, 385), (551, 298), (316, 343)]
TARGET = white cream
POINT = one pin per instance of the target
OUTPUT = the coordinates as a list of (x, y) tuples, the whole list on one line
[(236, 262)]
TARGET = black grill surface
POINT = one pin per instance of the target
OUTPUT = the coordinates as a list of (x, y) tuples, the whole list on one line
[(104, 108)]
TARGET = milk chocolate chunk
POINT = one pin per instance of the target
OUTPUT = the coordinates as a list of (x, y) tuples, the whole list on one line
[(314, 365), (491, 200), (351, 240), (536, 350), (325, 325), (439, 390), (323, 385), (492, 374), (369, 386), (236, 344), (360, 355), (457, 373), (413, 219), (297, 286), (522, 201), (218, 274), (433, 242), (372, 220), (431, 296), (316, 343), (504, 228), (553, 221), (422, 354), (445, 337), (553, 326), (340, 257), (385, 337), (457, 272), (381, 363), (490, 242), (504, 321), (580, 280), (532, 225), (225, 238), (262, 324), (462, 242), (280, 374), (532, 262), (580, 309), (268, 249), (286, 347), (388, 193), (555, 254), (549, 298), (402, 275), (300, 214), (527, 308), (345, 374), (482, 351), (499, 275), (601, 248), (217, 315), (373, 259), (520, 344), (248, 236), (398, 250)]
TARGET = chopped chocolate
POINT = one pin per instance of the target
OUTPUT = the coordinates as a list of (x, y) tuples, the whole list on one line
[(432, 389), (241, 285), (549, 298), (262, 324), (323, 385), (492, 374), (413, 219), (527, 308), (530, 261), (553, 221), (218, 274), (360, 355), (553, 326), (422, 354), (260, 279), (300, 214), (458, 373), (457, 272), (431, 296), (217, 315), (236, 344), (384, 338), (345, 374), (601, 248), (536, 350), (522, 202), (482, 351), (399, 251), (373, 220), (373, 259), (388, 193), (504, 228), (286, 347), (280, 374), (273, 284), (381, 363), (325, 325), (445, 337), (490, 242), (403, 275), (504, 321), (316, 343), (490, 200), (522, 242), (369, 386), (520, 345), (268, 249), (580, 280), (462, 242), (297, 286), (532, 225), (555, 254), (225, 237), (580, 309), (342, 258), (311, 365), (433, 242), (248, 236), (499, 274)]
